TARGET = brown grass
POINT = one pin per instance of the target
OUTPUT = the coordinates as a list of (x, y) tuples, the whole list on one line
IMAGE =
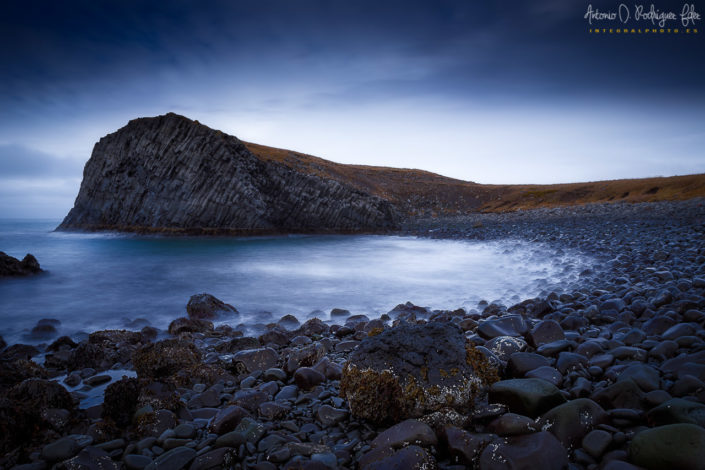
[(423, 192)]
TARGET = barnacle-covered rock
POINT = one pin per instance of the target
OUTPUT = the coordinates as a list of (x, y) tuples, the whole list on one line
[(412, 370)]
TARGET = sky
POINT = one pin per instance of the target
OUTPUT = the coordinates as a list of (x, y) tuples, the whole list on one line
[(492, 92)]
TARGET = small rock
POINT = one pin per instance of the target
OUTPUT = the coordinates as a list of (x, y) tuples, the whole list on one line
[(407, 432), (537, 450), (571, 421), (227, 419), (61, 449), (511, 424), (175, 459), (408, 458), (596, 442), (136, 461), (329, 416), (529, 397), (307, 378)]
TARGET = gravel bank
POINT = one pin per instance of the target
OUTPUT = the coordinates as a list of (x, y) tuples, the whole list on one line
[(606, 374)]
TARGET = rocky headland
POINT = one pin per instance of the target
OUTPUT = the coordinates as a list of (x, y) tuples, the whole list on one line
[(607, 376), (170, 174)]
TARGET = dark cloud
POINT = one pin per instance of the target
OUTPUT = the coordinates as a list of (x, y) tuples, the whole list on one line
[(83, 51)]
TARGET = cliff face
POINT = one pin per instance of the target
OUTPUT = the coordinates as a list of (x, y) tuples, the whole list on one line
[(169, 173)]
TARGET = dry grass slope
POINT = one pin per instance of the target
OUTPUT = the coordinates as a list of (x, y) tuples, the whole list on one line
[(420, 192)]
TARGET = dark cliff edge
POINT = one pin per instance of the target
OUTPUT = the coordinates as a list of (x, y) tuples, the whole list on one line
[(169, 174)]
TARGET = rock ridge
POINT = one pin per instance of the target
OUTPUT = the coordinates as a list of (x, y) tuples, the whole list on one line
[(171, 174)]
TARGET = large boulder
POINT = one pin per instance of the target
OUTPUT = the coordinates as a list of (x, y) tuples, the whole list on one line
[(206, 307), (10, 267), (412, 370), (23, 410), (679, 446), (165, 358)]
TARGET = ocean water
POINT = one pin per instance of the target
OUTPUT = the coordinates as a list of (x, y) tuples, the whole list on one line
[(108, 280)]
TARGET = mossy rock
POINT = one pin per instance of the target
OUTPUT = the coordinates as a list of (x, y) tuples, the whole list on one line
[(412, 370), (165, 358)]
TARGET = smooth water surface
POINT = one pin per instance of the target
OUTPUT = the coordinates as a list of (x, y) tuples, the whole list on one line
[(97, 281)]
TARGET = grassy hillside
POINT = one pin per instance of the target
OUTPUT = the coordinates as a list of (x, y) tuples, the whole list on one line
[(422, 192)]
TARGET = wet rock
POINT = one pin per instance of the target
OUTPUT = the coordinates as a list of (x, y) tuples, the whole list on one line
[(312, 327), (232, 439), (464, 447), (339, 313), (645, 376), (596, 442), (537, 450), (136, 461), (22, 407), (622, 394), (227, 419), (250, 399), (120, 401), (329, 416), (549, 374), (568, 362), (273, 410), (252, 430), (14, 372), (189, 325), (529, 397), (522, 362), (276, 336), (679, 446), (409, 432), (238, 344), (331, 370), (250, 360), (97, 380), (411, 370), (274, 373), (154, 423), (504, 346), (91, 458), (546, 331), (44, 329), (408, 458), (19, 351), (175, 459), (217, 458), (511, 424), (165, 358), (678, 410), (12, 267), (508, 325), (571, 421), (304, 357), (207, 307), (307, 378), (62, 449)]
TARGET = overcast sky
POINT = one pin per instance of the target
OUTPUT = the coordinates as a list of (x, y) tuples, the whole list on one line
[(492, 92)]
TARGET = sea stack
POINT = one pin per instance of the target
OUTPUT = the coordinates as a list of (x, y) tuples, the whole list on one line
[(169, 174)]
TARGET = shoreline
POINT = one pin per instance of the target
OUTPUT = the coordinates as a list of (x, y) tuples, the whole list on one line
[(648, 292)]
